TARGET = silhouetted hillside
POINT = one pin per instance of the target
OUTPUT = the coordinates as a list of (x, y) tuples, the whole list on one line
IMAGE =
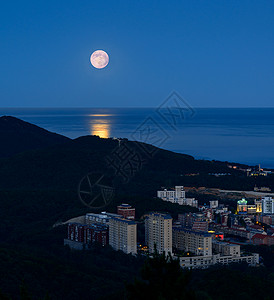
[(62, 166), (60, 163), (17, 136)]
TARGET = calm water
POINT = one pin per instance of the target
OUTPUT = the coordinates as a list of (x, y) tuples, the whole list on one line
[(236, 135)]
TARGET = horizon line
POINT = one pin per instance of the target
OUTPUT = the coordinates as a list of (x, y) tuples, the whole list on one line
[(131, 107)]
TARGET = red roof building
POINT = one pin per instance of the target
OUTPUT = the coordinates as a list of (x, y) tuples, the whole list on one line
[(262, 239), (126, 211)]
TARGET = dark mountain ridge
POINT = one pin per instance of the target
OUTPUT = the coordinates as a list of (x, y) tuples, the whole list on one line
[(18, 136), (54, 162)]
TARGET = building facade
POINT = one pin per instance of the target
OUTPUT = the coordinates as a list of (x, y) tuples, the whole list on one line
[(123, 235), (262, 239), (244, 208), (102, 218), (178, 196), (158, 228), (207, 261), (226, 249), (126, 211), (196, 242), (81, 236), (268, 205)]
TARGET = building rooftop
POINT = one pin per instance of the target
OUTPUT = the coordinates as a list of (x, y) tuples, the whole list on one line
[(97, 226), (203, 233), (124, 205), (129, 222), (102, 215), (259, 236), (256, 227), (225, 243), (162, 215)]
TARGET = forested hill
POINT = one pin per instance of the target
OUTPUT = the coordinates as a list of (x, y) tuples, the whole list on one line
[(60, 163), (17, 136), (55, 162)]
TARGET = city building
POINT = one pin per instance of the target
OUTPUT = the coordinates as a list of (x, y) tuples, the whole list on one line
[(158, 230), (244, 208), (266, 219), (76, 232), (198, 248), (270, 231), (126, 211), (255, 228), (268, 205), (221, 209), (226, 249), (177, 196), (207, 261), (81, 236), (262, 239), (208, 214), (123, 235), (213, 203), (97, 233), (196, 242), (262, 189), (259, 206), (102, 218), (259, 172), (234, 230), (188, 219), (200, 226)]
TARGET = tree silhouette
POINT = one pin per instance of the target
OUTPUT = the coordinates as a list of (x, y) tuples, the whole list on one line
[(162, 278)]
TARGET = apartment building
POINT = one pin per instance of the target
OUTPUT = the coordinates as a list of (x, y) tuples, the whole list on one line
[(196, 242), (158, 228), (123, 234)]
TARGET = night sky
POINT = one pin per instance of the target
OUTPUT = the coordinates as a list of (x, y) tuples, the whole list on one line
[(213, 53)]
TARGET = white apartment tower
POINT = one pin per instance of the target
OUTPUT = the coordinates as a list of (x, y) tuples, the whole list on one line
[(158, 228), (268, 205), (178, 195), (123, 235)]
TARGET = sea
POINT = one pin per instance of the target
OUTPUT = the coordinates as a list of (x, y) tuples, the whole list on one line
[(243, 135)]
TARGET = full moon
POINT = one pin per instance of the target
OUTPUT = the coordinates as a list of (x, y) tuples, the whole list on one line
[(99, 59)]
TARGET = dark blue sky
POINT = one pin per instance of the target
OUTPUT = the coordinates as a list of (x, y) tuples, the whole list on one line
[(214, 53)]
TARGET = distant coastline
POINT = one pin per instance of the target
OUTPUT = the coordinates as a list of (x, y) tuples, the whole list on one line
[(243, 135)]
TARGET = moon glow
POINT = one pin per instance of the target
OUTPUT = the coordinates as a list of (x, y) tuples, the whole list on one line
[(99, 59)]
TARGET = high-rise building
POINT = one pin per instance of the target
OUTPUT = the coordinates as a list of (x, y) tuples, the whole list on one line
[(123, 235), (126, 211), (197, 242), (268, 205), (158, 227)]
